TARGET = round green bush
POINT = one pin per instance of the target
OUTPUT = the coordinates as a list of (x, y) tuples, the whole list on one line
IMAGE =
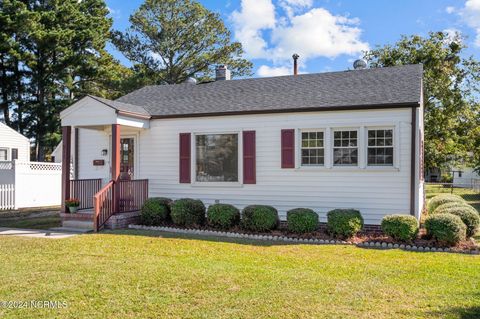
[(155, 210), (259, 218), (469, 217), (223, 216), (188, 212), (446, 228), (444, 207), (442, 199), (302, 220), (400, 227), (344, 223)]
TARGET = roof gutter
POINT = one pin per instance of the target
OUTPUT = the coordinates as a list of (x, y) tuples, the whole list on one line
[(294, 110), (134, 115)]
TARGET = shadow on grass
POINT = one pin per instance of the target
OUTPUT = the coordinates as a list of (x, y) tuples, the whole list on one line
[(461, 313), (218, 239)]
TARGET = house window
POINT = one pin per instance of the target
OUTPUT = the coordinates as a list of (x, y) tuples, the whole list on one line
[(14, 154), (345, 148), (380, 147), (217, 158), (313, 151), (3, 154)]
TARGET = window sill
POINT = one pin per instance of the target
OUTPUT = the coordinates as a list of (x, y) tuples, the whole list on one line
[(349, 168), (217, 184)]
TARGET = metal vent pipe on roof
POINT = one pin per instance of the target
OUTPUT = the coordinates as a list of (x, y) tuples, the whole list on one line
[(295, 63)]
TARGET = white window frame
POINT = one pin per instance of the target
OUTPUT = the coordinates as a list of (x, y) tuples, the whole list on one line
[(325, 145), (193, 160), (332, 147), (393, 146), (7, 152)]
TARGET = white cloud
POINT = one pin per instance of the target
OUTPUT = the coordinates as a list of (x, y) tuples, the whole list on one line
[(450, 10), (266, 70), (311, 32), (254, 16), (453, 35), (470, 15), (318, 33)]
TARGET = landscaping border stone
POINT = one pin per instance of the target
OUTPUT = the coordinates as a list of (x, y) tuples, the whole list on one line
[(367, 244)]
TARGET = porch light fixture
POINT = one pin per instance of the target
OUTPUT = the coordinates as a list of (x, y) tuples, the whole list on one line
[(104, 152)]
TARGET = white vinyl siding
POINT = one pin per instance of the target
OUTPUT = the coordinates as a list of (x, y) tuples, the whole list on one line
[(375, 191), (11, 139)]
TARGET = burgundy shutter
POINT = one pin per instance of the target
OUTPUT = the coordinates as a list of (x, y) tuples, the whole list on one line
[(249, 166), (288, 148), (185, 158)]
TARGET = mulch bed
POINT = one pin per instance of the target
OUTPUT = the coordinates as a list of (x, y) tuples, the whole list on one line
[(364, 236)]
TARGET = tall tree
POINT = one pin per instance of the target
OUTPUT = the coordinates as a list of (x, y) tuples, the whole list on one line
[(54, 52), (451, 86), (171, 40)]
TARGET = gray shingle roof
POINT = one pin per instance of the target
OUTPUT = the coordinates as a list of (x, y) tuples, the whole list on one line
[(390, 86)]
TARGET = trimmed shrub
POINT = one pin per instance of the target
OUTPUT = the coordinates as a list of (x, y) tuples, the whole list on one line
[(400, 227), (188, 212), (155, 210), (223, 215), (259, 218), (344, 223), (446, 228), (442, 199), (469, 217), (302, 220), (444, 207)]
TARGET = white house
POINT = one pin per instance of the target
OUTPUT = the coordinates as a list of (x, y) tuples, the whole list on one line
[(349, 139), (25, 184), (13, 145), (466, 177)]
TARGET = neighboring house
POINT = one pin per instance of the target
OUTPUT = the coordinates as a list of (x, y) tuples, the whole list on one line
[(465, 177), (23, 183), (13, 145), (349, 139), (57, 153)]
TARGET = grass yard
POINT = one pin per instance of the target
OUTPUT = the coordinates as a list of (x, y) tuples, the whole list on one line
[(473, 198), (133, 274), (44, 222)]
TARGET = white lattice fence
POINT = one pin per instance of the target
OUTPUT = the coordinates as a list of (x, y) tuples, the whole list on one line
[(7, 196)]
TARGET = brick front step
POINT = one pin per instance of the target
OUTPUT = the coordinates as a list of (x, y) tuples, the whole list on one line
[(76, 216)]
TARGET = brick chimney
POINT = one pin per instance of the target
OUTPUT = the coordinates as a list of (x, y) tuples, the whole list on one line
[(222, 73)]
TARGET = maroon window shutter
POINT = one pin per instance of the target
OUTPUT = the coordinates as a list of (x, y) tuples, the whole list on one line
[(185, 158), (288, 148), (249, 166)]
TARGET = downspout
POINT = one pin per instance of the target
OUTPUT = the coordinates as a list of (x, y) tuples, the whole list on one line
[(412, 161)]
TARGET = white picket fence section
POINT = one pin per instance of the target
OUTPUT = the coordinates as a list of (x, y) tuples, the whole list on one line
[(29, 184), (7, 196)]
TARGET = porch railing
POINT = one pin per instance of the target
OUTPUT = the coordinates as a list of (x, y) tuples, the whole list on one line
[(84, 190), (119, 197), (131, 194), (103, 203)]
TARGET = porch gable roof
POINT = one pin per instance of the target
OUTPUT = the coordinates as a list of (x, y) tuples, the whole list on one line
[(92, 111)]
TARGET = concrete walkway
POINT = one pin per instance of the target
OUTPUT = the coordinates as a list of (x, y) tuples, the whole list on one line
[(37, 233)]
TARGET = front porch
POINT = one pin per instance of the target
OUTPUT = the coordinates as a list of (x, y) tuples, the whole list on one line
[(101, 172)]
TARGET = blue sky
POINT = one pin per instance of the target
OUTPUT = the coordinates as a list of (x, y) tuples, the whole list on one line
[(327, 34)]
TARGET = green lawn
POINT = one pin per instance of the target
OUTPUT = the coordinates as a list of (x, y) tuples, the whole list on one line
[(132, 274), (473, 198), (45, 222)]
